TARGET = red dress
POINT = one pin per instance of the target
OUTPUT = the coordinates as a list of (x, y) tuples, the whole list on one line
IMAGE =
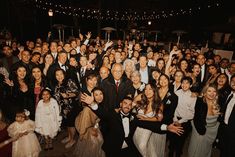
[(5, 151)]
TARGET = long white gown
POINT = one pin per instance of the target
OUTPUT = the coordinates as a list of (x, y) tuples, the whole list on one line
[(148, 143)]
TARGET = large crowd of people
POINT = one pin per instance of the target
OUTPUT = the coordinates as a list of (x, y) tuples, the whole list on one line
[(120, 98)]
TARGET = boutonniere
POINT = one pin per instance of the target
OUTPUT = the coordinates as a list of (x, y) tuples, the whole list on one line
[(168, 94), (142, 86), (168, 102), (131, 118)]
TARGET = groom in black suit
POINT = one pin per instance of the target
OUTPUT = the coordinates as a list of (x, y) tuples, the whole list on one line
[(120, 129), (121, 125)]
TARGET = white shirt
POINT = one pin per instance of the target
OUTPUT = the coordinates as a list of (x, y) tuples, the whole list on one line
[(63, 67), (54, 54), (185, 107), (203, 68), (144, 75), (118, 82), (229, 109), (126, 127), (125, 123)]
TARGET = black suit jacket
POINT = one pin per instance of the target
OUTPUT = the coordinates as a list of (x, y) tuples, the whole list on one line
[(200, 114), (112, 97), (227, 133), (115, 135)]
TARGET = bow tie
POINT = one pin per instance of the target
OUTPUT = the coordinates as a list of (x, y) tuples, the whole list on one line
[(124, 115)]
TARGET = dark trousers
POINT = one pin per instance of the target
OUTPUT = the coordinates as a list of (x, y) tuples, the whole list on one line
[(227, 141), (177, 142), (126, 152)]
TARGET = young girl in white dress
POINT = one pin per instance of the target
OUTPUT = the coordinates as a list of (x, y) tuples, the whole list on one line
[(23, 128), (47, 118)]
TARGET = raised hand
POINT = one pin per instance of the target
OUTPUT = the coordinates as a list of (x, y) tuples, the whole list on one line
[(108, 44), (88, 36), (87, 99), (81, 36)]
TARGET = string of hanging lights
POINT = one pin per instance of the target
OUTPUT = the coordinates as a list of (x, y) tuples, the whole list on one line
[(96, 14)]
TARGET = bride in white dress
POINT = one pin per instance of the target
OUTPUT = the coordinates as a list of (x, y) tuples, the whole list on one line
[(149, 108)]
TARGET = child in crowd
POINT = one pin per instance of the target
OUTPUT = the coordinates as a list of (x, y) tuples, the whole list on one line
[(27, 144), (48, 119)]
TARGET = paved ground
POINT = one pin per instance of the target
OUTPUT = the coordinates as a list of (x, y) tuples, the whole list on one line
[(60, 151)]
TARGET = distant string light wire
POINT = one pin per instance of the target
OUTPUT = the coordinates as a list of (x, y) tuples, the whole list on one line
[(96, 14)]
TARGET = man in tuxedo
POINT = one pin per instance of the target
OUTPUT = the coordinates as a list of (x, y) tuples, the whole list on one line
[(59, 64), (121, 125), (227, 126)]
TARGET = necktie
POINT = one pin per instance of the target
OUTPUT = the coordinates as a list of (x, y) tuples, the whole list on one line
[(117, 84), (82, 71)]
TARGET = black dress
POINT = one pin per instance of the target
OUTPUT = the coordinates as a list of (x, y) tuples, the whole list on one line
[(69, 106)]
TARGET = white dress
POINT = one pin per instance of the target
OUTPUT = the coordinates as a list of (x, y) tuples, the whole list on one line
[(27, 145), (47, 118), (148, 143)]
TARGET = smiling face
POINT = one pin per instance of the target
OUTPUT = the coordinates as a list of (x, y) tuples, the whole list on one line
[(117, 71), (183, 65), (178, 76), (98, 96), (185, 85), (163, 81), (20, 117), (46, 96), (21, 73), (212, 70), (196, 69), (59, 75), (91, 82), (149, 92), (221, 80), (37, 73), (126, 105), (135, 78), (210, 93)]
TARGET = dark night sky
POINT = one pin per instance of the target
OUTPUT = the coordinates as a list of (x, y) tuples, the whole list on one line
[(26, 21)]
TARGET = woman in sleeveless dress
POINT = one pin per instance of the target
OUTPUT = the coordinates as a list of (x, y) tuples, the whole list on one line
[(205, 124), (148, 108)]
